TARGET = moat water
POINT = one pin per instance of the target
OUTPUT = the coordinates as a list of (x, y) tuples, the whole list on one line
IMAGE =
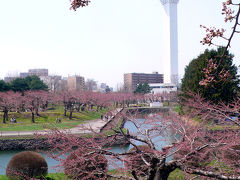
[(5, 156)]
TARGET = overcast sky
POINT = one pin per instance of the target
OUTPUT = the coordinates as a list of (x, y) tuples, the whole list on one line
[(102, 41)]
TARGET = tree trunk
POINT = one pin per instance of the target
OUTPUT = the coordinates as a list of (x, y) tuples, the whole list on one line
[(65, 112), (4, 118), (70, 115), (36, 112), (6, 115), (46, 104), (163, 172), (161, 175), (33, 121)]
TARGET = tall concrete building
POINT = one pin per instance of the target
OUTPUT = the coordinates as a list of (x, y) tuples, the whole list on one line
[(171, 31), (34, 72), (75, 83), (38, 72), (131, 80), (55, 83), (24, 74)]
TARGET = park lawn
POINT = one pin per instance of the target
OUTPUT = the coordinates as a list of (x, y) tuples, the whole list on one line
[(50, 176), (177, 174), (47, 120), (57, 176)]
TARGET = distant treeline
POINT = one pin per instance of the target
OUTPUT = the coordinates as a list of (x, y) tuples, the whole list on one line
[(23, 84)]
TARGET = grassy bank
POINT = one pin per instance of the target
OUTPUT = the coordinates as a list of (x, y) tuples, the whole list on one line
[(50, 176), (47, 119), (175, 175)]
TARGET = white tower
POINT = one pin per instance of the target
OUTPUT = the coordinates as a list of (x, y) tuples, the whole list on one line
[(171, 65)]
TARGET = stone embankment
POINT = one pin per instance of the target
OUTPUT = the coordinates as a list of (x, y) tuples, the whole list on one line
[(23, 144), (42, 144), (32, 143)]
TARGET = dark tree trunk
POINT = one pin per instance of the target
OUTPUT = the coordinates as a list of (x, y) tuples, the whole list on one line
[(36, 112), (65, 112), (162, 172), (161, 175), (70, 115), (4, 118), (33, 121), (6, 115), (46, 104)]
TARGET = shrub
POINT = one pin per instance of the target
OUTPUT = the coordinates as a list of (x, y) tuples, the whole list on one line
[(26, 165)]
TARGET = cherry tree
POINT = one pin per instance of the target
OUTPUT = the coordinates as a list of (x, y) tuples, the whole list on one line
[(194, 147), (231, 12), (68, 100), (75, 4), (8, 102), (33, 100), (161, 143)]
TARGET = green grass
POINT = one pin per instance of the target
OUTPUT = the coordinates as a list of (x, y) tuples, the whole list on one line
[(50, 176), (222, 127), (58, 176), (3, 177), (47, 119), (177, 174), (177, 108), (112, 132)]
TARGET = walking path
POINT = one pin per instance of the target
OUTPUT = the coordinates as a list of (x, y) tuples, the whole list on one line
[(88, 127)]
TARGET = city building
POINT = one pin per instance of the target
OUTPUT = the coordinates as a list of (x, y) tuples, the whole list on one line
[(162, 88), (23, 74), (38, 72), (9, 79), (170, 31), (75, 83), (34, 72), (131, 80), (103, 87), (55, 83)]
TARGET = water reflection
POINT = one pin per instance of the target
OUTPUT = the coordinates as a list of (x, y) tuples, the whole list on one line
[(159, 141)]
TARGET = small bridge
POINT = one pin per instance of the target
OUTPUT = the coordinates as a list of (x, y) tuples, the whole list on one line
[(147, 109)]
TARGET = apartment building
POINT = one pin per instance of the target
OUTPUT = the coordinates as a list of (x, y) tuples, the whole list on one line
[(75, 83), (131, 80), (38, 72)]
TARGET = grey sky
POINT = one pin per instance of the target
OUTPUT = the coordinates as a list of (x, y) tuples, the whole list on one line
[(103, 41)]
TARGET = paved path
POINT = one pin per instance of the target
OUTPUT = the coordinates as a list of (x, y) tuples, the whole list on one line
[(87, 127)]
